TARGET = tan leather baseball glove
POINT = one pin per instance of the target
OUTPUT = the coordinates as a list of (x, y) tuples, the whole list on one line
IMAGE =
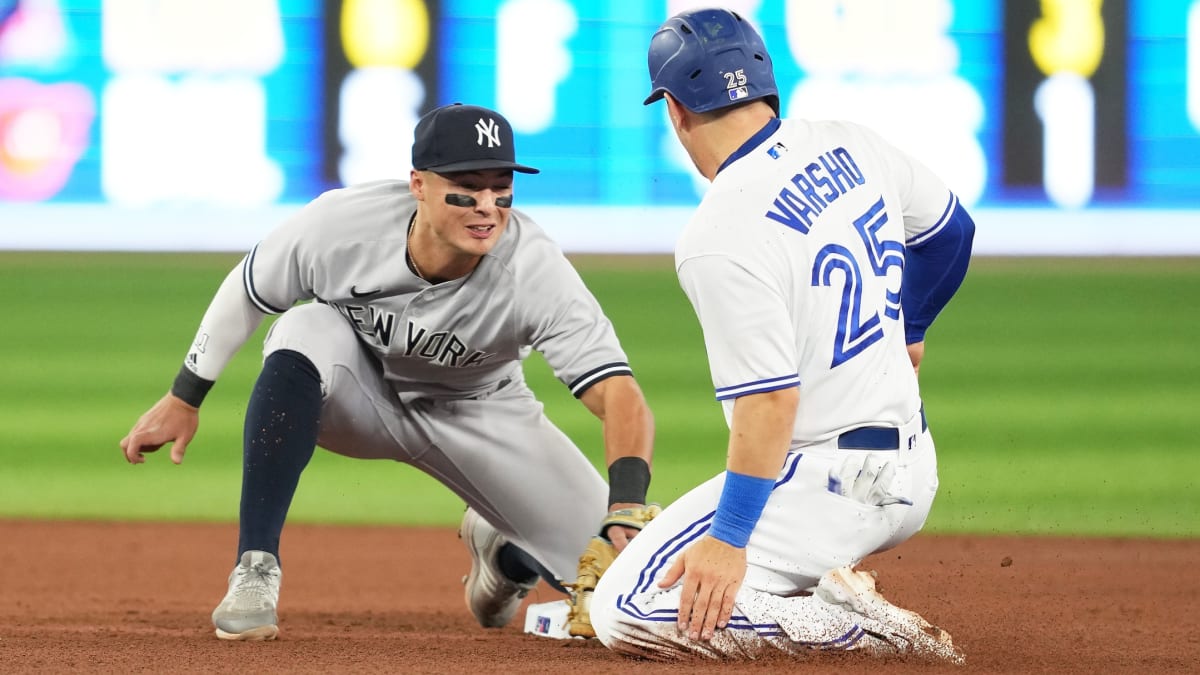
[(595, 560)]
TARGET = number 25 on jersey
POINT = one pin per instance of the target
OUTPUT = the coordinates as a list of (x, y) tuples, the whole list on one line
[(859, 324)]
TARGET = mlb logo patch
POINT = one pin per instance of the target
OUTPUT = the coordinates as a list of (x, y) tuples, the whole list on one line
[(776, 151), (543, 624), (738, 94)]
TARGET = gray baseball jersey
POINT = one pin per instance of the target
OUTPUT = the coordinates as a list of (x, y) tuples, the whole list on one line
[(456, 339), (431, 374)]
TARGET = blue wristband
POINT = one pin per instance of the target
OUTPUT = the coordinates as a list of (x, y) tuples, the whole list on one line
[(741, 505)]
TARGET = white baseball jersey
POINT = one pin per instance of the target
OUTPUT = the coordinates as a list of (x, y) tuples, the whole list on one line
[(793, 263)]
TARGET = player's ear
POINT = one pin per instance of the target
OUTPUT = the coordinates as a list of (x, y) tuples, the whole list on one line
[(416, 184), (675, 111)]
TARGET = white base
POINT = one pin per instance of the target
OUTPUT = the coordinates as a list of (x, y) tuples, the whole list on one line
[(548, 619)]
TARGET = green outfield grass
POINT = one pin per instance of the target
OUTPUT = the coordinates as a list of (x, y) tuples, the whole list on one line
[(1062, 393)]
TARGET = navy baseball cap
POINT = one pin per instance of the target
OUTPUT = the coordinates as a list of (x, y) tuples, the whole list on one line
[(461, 137), (708, 59)]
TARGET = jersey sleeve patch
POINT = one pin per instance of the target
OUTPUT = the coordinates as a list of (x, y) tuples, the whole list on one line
[(248, 281), (937, 226), (585, 381), (758, 387)]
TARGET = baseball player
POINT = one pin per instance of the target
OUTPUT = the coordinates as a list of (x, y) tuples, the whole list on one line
[(426, 297), (815, 263)]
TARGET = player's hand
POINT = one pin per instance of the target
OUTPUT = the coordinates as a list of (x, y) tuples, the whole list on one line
[(712, 573), (169, 421), (916, 352), (620, 535)]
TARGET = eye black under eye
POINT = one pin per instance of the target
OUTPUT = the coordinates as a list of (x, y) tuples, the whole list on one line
[(455, 199)]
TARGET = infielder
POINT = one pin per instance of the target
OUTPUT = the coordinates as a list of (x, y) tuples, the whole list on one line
[(427, 295), (815, 263)]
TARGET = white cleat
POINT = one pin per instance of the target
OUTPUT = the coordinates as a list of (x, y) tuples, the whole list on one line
[(894, 630), (248, 610), (492, 597)]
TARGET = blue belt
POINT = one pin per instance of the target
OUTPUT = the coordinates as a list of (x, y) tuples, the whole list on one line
[(874, 438)]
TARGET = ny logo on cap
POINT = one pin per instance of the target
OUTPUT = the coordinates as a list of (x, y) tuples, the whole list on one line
[(487, 129)]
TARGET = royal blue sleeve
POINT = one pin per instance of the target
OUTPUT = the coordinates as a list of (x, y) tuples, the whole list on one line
[(933, 271)]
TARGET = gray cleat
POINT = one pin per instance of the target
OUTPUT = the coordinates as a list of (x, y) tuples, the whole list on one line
[(248, 610), (492, 597)]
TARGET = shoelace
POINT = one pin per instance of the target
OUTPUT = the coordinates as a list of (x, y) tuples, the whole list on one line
[(255, 581)]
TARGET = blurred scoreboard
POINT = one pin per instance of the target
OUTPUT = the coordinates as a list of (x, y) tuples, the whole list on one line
[(170, 106)]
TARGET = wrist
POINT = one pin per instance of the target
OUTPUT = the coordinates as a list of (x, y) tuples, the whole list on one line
[(628, 481), (190, 387), (741, 505)]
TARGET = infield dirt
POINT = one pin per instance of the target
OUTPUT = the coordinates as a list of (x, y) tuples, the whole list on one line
[(136, 598)]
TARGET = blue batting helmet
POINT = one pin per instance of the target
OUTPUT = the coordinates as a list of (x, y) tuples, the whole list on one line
[(708, 59)]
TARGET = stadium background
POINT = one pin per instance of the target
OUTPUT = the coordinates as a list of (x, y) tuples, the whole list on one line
[(144, 145)]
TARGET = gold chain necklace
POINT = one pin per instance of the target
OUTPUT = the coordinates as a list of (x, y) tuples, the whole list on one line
[(413, 263)]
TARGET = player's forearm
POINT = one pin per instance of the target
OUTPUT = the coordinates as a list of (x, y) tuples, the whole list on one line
[(628, 429), (761, 432), (760, 435), (628, 436), (628, 445), (228, 323), (628, 423)]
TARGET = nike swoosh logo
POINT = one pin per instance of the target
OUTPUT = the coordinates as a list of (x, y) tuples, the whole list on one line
[(354, 292)]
